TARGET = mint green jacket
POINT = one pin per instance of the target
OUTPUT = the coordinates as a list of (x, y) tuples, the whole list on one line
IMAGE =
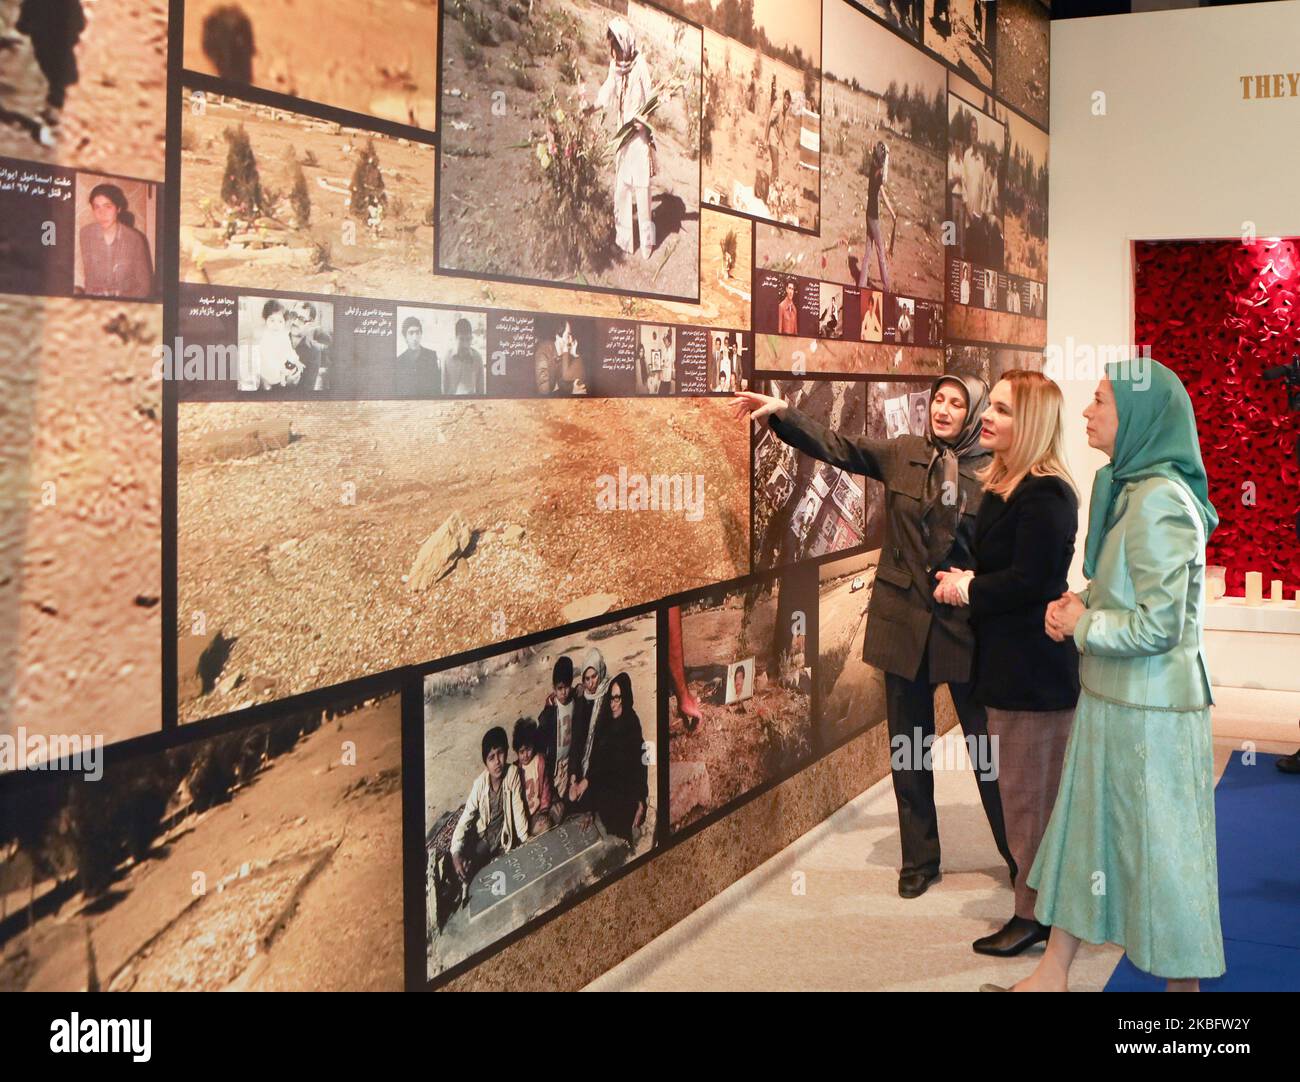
[(1141, 636)]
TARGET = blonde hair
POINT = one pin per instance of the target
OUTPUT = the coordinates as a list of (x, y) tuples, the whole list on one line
[(1036, 446)]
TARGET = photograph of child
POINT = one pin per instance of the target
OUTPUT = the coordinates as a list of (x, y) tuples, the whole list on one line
[(537, 781), (284, 346)]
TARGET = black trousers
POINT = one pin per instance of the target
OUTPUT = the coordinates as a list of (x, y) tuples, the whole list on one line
[(909, 706)]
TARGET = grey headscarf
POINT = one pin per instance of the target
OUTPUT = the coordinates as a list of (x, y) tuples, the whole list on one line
[(940, 517)]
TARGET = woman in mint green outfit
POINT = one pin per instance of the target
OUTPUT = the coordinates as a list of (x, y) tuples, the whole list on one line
[(1129, 855)]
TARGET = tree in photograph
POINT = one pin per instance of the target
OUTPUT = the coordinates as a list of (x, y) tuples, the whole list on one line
[(241, 186), (368, 198), (299, 193)]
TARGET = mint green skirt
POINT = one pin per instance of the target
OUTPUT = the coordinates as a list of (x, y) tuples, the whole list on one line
[(1129, 856)]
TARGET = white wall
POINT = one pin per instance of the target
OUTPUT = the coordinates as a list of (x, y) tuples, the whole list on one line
[(1178, 154)]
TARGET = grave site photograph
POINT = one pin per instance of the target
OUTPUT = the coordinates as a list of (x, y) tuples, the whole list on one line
[(883, 139), (539, 780), (802, 507), (268, 858), (720, 750), (322, 541), (279, 200), (571, 145), (851, 693), (760, 133), (366, 56)]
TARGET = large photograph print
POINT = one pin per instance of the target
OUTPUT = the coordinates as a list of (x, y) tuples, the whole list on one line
[(883, 139), (802, 507), (741, 673), (265, 859), (375, 58), (570, 152), (760, 137), (321, 541), (539, 780), (282, 200)]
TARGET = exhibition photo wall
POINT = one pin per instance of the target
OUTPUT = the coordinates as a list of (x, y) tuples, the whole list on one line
[(370, 442)]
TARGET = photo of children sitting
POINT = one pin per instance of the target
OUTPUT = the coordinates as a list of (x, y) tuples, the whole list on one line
[(548, 803)]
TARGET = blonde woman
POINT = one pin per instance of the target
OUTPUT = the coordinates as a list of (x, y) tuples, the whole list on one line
[(1028, 683)]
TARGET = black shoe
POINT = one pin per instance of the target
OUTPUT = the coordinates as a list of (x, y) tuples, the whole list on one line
[(914, 884), (1017, 935), (1289, 764)]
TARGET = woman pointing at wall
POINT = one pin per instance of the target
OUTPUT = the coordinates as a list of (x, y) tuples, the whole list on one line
[(932, 494)]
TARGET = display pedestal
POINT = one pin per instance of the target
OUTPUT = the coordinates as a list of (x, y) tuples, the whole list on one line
[(1253, 647)]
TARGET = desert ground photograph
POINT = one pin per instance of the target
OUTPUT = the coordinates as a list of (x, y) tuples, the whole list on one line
[(367, 56), (719, 751), (280, 200), (81, 473), (264, 859), (877, 89), (577, 847), (782, 353), (321, 541), (85, 84), (851, 693), (1023, 70), (539, 179)]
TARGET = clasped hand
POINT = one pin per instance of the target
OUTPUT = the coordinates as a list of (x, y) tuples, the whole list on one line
[(1063, 616), (948, 591)]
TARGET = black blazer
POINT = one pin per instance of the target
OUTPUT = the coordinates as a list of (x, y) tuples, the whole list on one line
[(903, 619), (1023, 548)]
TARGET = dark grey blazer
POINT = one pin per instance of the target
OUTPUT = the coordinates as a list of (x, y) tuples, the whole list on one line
[(903, 618)]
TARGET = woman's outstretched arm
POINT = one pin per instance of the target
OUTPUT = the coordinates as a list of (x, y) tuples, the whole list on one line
[(855, 454)]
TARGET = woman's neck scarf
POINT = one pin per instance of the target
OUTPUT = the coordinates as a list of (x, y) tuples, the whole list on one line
[(1156, 438), (625, 37), (944, 501), (594, 659)]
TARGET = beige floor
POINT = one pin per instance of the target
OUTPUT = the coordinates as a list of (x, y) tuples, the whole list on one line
[(847, 929)]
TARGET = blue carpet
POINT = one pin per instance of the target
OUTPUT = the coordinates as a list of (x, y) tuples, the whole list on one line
[(1257, 813)]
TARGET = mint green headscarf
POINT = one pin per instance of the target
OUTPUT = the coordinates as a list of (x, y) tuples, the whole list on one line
[(1156, 438)]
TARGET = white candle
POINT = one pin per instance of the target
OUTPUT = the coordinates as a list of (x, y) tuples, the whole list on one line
[(1275, 590), (1254, 588)]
